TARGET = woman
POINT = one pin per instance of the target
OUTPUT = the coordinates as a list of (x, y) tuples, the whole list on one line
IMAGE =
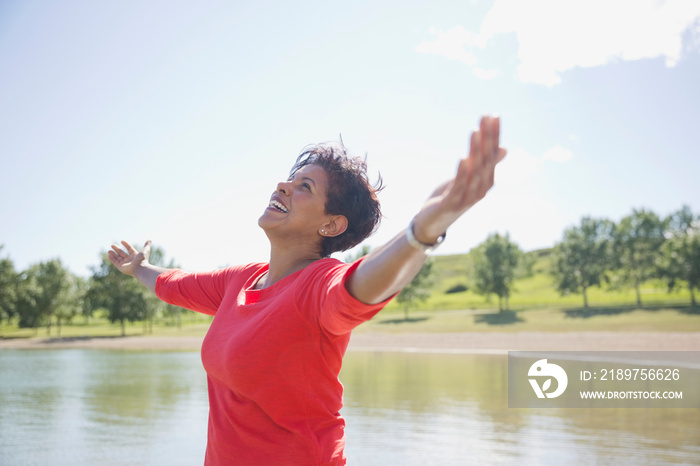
[(275, 347)]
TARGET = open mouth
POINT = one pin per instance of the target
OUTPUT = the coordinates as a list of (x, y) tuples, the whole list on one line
[(278, 206)]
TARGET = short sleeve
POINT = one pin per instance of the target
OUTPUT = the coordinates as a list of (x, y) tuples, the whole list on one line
[(200, 292), (338, 311)]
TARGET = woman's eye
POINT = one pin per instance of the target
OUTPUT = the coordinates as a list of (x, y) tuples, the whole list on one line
[(307, 186)]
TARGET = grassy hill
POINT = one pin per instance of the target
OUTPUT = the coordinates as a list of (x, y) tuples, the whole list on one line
[(535, 305), (536, 290)]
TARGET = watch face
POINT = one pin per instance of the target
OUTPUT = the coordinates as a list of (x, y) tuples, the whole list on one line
[(437, 243), (426, 248)]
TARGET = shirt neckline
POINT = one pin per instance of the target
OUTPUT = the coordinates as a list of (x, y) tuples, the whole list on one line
[(253, 280), (258, 274)]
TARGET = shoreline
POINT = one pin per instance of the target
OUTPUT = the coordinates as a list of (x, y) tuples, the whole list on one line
[(458, 342)]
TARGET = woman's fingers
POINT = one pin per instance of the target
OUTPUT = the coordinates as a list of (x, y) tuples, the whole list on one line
[(485, 127), (476, 148), (491, 128), (501, 154), (118, 255), (465, 169), (496, 136), (475, 174), (113, 257), (117, 251), (129, 248), (491, 153), (126, 259)]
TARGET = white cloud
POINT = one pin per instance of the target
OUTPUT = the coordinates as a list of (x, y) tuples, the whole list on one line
[(694, 42), (485, 74), (557, 154), (555, 36), (521, 164), (451, 45)]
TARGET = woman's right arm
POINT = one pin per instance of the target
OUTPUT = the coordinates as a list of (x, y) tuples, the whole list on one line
[(135, 263)]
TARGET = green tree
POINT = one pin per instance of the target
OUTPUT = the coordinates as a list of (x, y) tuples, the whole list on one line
[(124, 298), (70, 302), (43, 289), (27, 299), (156, 306), (87, 309), (362, 252), (583, 256), (418, 290), (680, 258), (495, 264), (637, 241), (8, 289), (54, 281)]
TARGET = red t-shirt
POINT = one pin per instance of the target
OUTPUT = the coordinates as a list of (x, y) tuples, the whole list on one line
[(272, 358)]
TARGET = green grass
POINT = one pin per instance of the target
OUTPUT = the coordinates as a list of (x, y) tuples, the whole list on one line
[(538, 320), (391, 320), (196, 326), (535, 291), (537, 305)]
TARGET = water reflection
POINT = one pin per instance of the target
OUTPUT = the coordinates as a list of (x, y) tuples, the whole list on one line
[(78, 407), (87, 407), (452, 409)]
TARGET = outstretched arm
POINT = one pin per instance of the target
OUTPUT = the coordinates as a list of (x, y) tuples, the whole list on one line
[(135, 263), (386, 270)]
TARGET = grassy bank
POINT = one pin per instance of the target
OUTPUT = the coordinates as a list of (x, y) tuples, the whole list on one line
[(392, 320), (103, 328), (624, 319)]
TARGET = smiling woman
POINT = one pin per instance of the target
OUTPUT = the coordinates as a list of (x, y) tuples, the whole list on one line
[(275, 348), (349, 194)]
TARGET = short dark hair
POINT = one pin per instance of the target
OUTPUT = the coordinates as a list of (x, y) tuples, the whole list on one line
[(350, 193)]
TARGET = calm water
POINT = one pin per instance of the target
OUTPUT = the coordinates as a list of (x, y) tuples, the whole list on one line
[(89, 407)]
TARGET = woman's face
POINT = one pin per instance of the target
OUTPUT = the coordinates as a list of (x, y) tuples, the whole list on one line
[(297, 209)]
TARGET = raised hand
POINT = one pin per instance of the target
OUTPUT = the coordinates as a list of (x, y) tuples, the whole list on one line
[(474, 178), (128, 259)]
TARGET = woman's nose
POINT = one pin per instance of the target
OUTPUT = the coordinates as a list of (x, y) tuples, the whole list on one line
[(283, 187)]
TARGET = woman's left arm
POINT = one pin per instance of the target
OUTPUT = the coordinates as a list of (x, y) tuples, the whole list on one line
[(386, 270)]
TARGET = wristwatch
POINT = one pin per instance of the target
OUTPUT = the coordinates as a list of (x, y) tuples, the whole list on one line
[(426, 248)]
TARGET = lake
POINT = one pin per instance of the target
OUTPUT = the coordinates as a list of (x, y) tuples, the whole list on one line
[(88, 407)]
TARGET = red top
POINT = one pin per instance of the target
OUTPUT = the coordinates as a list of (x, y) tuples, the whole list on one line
[(272, 358)]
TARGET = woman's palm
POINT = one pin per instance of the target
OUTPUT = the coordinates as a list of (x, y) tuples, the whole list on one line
[(127, 259)]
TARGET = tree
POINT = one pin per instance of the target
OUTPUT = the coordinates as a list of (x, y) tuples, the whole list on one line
[(157, 257), (419, 288), (8, 289), (28, 292), (71, 301), (42, 290), (583, 256), (54, 282), (495, 263), (637, 241), (123, 297), (362, 252), (680, 258)]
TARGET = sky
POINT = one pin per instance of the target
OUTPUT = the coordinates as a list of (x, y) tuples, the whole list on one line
[(174, 120)]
